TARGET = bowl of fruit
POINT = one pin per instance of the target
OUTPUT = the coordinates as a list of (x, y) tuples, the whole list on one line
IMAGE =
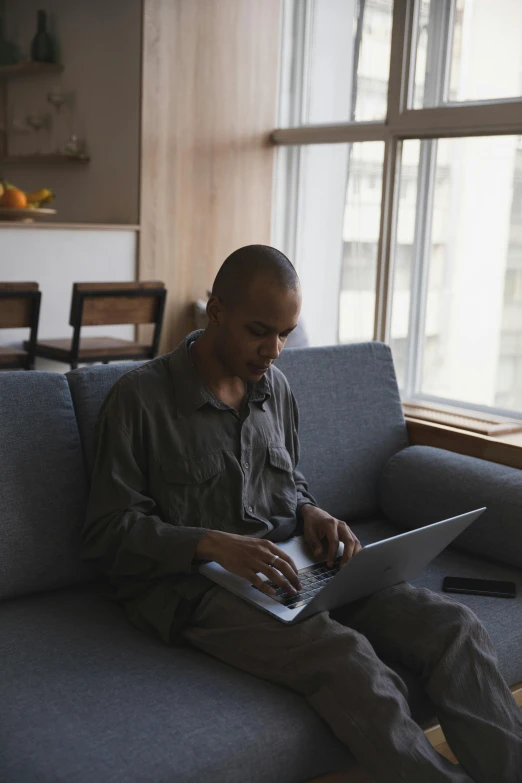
[(17, 205)]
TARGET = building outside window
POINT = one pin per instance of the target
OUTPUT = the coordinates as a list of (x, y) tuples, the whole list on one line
[(398, 188)]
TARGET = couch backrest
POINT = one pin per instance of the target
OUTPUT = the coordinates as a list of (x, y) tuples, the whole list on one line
[(423, 484), (351, 421), (43, 486), (89, 386)]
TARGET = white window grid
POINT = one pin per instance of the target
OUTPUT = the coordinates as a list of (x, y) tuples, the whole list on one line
[(473, 118)]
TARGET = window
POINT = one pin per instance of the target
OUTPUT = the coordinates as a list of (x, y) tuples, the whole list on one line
[(336, 58), (398, 188), (458, 247), (335, 221), (473, 46)]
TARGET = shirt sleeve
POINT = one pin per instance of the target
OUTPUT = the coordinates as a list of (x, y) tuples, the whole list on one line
[(123, 531), (303, 494)]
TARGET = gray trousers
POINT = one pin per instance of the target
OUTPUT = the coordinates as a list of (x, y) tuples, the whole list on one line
[(334, 664)]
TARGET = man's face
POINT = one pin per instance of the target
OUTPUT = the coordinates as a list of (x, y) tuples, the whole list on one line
[(252, 334)]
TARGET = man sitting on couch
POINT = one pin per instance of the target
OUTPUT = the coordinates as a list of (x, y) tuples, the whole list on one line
[(181, 475)]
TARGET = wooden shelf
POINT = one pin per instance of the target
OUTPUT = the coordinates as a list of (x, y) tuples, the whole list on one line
[(21, 70), (43, 160), (55, 225)]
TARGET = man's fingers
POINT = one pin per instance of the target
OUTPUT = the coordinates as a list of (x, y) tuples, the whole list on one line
[(288, 570), (349, 547), (351, 544), (287, 559), (314, 542), (286, 565), (333, 546), (261, 585), (283, 567), (277, 577), (274, 576)]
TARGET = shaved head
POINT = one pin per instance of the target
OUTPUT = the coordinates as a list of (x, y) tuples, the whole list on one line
[(254, 305), (242, 267)]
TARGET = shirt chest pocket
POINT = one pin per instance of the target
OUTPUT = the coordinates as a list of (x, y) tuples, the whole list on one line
[(279, 458), (194, 489), (280, 484)]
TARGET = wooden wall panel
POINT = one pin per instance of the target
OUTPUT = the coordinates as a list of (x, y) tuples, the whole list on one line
[(208, 105)]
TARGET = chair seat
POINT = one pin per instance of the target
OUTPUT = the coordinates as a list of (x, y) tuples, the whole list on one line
[(12, 356), (92, 348)]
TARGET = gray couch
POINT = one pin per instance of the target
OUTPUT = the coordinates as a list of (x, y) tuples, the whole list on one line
[(84, 696)]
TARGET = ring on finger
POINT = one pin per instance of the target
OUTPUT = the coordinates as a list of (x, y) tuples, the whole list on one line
[(273, 561)]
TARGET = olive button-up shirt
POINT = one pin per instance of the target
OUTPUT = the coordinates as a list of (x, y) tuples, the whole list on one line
[(172, 461)]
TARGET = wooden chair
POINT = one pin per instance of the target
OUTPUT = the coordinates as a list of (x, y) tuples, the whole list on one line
[(96, 304), (19, 307)]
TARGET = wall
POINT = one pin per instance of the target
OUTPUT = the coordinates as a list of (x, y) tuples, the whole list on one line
[(100, 48), (208, 106), (56, 259)]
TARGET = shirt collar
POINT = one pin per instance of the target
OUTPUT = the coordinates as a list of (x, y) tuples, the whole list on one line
[(191, 392)]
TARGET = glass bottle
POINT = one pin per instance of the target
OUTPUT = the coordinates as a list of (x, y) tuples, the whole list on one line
[(42, 48), (8, 54)]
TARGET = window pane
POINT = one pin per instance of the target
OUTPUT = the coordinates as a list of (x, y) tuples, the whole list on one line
[(403, 257), (361, 225), (457, 304), (467, 50), (325, 44), (328, 199)]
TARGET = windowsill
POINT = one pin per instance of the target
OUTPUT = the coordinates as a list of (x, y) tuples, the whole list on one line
[(478, 422), (503, 449)]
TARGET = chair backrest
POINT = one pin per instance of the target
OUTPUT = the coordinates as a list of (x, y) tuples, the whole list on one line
[(19, 304), (96, 304), (20, 307)]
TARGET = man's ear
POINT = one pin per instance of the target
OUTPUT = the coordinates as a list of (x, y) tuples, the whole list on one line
[(214, 310)]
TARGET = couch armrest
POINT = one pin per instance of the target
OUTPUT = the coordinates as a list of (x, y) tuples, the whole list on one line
[(420, 485)]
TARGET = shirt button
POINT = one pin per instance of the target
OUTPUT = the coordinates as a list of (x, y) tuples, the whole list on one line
[(246, 465), (250, 509)]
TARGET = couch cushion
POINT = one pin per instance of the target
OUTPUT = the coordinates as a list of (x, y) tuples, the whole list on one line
[(86, 697), (351, 421), (84, 693), (89, 387), (422, 484), (502, 617), (43, 487)]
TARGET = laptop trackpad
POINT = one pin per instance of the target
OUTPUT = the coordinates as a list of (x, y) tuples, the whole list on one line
[(301, 554)]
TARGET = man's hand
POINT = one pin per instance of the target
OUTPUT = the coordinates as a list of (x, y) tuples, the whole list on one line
[(247, 557), (319, 524)]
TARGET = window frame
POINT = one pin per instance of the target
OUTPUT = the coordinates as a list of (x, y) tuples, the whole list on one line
[(478, 118)]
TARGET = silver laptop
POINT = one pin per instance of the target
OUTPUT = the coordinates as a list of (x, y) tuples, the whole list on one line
[(373, 568)]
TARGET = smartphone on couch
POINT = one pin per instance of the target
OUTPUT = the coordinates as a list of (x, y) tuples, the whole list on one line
[(461, 584)]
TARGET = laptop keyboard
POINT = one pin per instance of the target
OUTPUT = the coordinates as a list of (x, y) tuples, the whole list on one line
[(313, 578)]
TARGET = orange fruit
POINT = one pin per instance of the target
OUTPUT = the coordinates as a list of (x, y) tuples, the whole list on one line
[(13, 199)]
